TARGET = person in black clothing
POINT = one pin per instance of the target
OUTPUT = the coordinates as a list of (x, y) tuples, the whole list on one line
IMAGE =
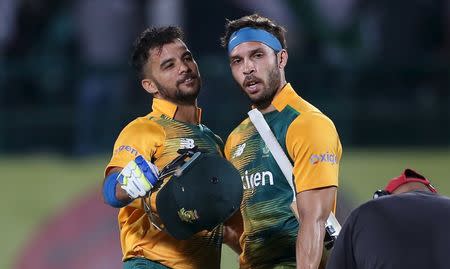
[(408, 227)]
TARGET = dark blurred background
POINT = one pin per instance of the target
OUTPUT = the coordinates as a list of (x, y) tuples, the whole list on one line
[(380, 69)]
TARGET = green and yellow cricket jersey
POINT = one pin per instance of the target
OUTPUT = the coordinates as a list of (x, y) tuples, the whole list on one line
[(157, 137), (311, 142)]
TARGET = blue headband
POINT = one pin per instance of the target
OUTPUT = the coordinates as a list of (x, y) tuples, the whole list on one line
[(249, 34)]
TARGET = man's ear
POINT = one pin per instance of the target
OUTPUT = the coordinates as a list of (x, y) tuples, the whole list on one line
[(149, 86), (282, 59)]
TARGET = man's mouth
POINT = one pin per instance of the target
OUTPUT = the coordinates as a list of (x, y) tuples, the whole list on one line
[(251, 85), (187, 80)]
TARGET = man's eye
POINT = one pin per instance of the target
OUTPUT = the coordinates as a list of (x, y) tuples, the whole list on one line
[(235, 61), (168, 66), (188, 58), (259, 55)]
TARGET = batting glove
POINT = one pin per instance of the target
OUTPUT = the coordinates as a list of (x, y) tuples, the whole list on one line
[(138, 177)]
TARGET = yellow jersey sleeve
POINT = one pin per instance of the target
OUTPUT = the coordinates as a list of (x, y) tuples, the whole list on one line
[(227, 147), (313, 144), (141, 137)]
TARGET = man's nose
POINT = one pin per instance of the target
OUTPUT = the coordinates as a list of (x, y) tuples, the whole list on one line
[(184, 67), (249, 67)]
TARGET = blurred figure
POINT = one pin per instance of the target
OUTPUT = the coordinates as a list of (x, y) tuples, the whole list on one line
[(400, 31), (165, 12), (270, 236), (105, 30), (8, 13), (408, 227)]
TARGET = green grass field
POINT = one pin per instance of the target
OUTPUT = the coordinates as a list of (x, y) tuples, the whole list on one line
[(36, 186)]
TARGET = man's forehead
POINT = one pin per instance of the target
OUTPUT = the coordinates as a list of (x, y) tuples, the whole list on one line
[(168, 50), (248, 47)]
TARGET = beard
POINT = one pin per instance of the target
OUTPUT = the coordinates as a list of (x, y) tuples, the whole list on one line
[(177, 96), (273, 83)]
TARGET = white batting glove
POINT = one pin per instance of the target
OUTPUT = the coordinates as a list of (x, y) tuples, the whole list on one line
[(138, 177)]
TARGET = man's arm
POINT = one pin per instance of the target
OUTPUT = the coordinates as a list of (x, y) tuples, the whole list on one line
[(314, 207)]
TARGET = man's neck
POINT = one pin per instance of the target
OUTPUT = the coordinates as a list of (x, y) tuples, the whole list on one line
[(270, 107), (187, 113)]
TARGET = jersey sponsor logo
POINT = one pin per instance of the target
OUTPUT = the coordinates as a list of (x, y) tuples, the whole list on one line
[(129, 149), (239, 151), (187, 143), (323, 158), (256, 179)]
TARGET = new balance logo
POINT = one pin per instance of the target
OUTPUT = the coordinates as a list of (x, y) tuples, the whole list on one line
[(187, 143), (239, 151)]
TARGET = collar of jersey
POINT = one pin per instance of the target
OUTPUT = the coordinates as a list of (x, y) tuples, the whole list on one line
[(169, 109), (283, 98)]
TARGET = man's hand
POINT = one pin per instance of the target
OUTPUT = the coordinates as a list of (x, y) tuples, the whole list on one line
[(138, 177)]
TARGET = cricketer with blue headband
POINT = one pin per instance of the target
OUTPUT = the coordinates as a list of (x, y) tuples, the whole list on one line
[(266, 233)]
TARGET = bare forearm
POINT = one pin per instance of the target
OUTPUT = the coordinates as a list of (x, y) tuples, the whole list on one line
[(314, 207), (310, 245)]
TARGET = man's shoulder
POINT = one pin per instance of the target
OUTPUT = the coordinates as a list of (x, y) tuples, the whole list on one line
[(207, 131), (425, 197), (401, 205), (364, 213), (305, 111), (238, 133), (312, 117), (299, 104), (378, 205), (412, 196), (408, 199), (144, 124), (312, 123), (241, 127)]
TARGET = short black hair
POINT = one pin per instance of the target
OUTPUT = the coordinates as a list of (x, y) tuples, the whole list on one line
[(153, 37), (254, 21)]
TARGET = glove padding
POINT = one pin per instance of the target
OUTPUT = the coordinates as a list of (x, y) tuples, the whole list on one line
[(138, 177)]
